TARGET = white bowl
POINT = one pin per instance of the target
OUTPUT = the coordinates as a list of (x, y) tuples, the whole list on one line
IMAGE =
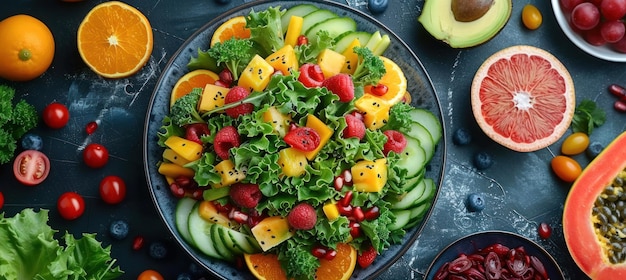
[(602, 52)]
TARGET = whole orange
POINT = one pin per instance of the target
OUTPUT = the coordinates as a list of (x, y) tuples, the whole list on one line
[(26, 48)]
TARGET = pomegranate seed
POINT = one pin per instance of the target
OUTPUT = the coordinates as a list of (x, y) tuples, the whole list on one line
[(347, 176), (183, 181), (347, 198), (318, 251), (238, 216), (330, 254), (221, 84), (372, 213), (338, 183), (379, 89), (138, 242), (177, 190), (225, 208), (91, 127), (197, 194), (293, 126), (344, 210), (357, 213), (226, 77), (617, 90), (544, 230), (355, 229), (302, 40), (620, 105)]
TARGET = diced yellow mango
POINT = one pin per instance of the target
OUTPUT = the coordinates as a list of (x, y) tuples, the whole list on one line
[(284, 60), (173, 170), (292, 161), (212, 97), (228, 173), (272, 231), (369, 176), (187, 149), (209, 212), (331, 62), (322, 129), (256, 75), (331, 211), (279, 121), (294, 30), (173, 157), (352, 59), (375, 112)]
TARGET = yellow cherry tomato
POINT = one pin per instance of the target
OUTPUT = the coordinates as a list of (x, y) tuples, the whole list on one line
[(575, 143), (531, 17), (566, 168)]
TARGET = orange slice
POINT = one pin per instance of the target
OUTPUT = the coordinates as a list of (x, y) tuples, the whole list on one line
[(115, 39), (395, 81), (232, 28), (194, 79), (265, 266)]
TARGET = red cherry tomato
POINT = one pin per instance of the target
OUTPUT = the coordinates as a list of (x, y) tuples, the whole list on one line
[(31, 167), (112, 189), (311, 75), (71, 205), (150, 275), (55, 115), (95, 155), (1, 200), (303, 138)]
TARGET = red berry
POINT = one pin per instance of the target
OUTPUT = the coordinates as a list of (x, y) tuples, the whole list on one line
[(346, 199), (355, 229), (341, 85), (379, 89), (303, 138), (245, 195), (311, 75), (367, 257), (396, 142), (372, 213), (194, 132), (330, 254), (138, 242), (235, 94), (302, 40), (318, 251), (91, 127), (357, 214), (225, 139), (226, 77), (177, 190), (302, 216), (544, 230), (355, 127)]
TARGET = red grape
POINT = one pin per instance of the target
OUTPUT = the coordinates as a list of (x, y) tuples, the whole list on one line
[(568, 5), (612, 9), (585, 16), (594, 37), (612, 31), (620, 45)]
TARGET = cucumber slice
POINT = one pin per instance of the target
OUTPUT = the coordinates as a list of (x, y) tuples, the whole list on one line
[(344, 40), (429, 121), (219, 244), (181, 215), (297, 10), (315, 18), (408, 199), (402, 219), (335, 27), (420, 133), (199, 230), (382, 46), (226, 240), (374, 40), (246, 243), (417, 214), (413, 158), (411, 183), (428, 194)]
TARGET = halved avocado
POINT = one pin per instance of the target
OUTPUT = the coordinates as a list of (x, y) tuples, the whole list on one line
[(438, 19)]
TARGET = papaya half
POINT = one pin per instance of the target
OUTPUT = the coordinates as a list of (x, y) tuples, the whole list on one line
[(594, 215)]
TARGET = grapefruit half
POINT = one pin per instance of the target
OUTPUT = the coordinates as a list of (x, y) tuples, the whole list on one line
[(523, 98)]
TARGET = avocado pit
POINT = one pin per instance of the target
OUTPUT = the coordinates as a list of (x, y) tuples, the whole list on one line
[(470, 10)]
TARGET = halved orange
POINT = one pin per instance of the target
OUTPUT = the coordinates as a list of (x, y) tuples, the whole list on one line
[(265, 266), (194, 79), (232, 28), (395, 81), (115, 39)]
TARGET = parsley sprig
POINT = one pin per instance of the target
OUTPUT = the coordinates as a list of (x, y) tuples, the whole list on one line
[(587, 116)]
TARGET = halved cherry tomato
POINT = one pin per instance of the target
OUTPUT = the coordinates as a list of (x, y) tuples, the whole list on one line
[(311, 75), (95, 155), (55, 115), (31, 167), (303, 138), (71, 205), (112, 189), (150, 275)]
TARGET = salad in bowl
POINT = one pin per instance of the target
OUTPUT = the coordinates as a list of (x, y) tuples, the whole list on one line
[(305, 148)]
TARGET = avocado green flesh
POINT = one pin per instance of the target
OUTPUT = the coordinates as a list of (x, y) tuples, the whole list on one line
[(438, 19)]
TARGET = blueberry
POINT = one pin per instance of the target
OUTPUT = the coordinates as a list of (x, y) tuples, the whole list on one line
[(377, 6), (482, 160), (594, 149), (195, 269), (222, 1), (158, 250), (119, 229), (475, 202), (31, 141), (183, 276), (461, 137)]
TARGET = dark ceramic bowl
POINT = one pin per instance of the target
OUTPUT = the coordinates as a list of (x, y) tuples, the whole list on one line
[(480, 240), (420, 86)]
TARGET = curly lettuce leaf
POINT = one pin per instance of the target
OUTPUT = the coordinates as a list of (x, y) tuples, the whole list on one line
[(266, 30)]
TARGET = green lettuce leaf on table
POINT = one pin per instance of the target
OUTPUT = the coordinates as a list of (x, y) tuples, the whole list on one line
[(29, 250)]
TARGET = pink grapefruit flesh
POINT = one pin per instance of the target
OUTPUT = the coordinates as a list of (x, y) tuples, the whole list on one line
[(523, 98)]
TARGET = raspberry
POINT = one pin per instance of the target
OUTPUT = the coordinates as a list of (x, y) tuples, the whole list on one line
[(341, 85), (302, 216), (245, 195), (311, 75), (355, 127), (367, 257), (396, 142), (226, 138), (235, 94)]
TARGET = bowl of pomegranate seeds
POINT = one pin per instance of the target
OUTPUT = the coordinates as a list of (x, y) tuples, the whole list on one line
[(494, 255), (596, 27)]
